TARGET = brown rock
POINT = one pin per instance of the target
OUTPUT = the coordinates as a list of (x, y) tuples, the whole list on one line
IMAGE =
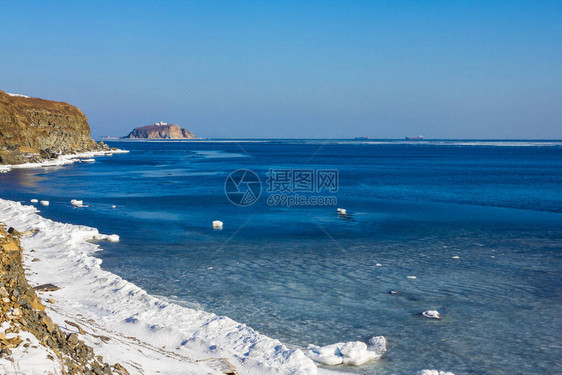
[(72, 339), (48, 323), (12, 342), (10, 246), (46, 288)]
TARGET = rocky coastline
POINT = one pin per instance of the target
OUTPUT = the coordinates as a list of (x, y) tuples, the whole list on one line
[(22, 311), (34, 130)]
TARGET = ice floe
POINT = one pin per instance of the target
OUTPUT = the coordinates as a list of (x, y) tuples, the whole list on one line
[(431, 314), (352, 353), (34, 201), (342, 211), (217, 224), (434, 372), (44, 203), (77, 203)]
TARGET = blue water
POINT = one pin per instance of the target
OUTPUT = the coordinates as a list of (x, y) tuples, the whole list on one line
[(304, 275)]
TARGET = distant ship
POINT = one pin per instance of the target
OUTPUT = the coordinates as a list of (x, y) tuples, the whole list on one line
[(361, 138), (418, 138)]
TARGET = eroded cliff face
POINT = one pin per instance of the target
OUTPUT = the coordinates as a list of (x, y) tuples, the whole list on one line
[(172, 131), (32, 129)]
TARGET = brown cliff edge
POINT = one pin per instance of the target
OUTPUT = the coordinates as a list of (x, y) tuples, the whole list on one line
[(34, 130)]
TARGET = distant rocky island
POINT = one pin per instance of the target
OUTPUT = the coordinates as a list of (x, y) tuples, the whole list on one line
[(160, 130), (34, 130)]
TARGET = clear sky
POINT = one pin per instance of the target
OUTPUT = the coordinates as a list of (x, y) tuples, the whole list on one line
[(477, 69)]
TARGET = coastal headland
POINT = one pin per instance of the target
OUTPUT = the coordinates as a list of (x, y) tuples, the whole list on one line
[(35, 130)]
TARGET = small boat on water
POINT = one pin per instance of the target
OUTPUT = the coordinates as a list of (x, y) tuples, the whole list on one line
[(418, 138)]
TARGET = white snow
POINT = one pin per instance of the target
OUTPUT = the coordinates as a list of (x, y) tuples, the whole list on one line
[(431, 314), (353, 353), (18, 95), (61, 160), (146, 334), (30, 360)]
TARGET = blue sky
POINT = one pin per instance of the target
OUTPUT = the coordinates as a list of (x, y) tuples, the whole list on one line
[(477, 69)]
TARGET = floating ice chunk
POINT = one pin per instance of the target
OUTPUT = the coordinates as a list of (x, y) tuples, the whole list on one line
[(217, 224), (326, 355), (113, 238), (433, 372), (378, 265), (113, 206), (77, 203), (45, 203), (34, 201), (88, 160), (353, 353), (456, 257), (342, 211), (107, 237), (411, 277), (431, 314)]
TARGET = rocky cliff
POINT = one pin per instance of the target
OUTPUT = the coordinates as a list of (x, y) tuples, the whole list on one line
[(171, 131), (33, 129)]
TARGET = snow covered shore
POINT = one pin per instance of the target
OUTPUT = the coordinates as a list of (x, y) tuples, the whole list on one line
[(61, 160), (146, 334)]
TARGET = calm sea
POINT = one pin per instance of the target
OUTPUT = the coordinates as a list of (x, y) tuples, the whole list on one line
[(305, 275)]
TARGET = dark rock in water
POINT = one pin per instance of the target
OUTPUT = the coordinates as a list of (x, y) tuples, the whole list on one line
[(46, 288), (13, 231)]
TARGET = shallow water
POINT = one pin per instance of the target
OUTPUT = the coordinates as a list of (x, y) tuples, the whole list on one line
[(305, 275)]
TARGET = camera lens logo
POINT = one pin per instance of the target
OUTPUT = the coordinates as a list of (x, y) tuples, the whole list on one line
[(242, 187)]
